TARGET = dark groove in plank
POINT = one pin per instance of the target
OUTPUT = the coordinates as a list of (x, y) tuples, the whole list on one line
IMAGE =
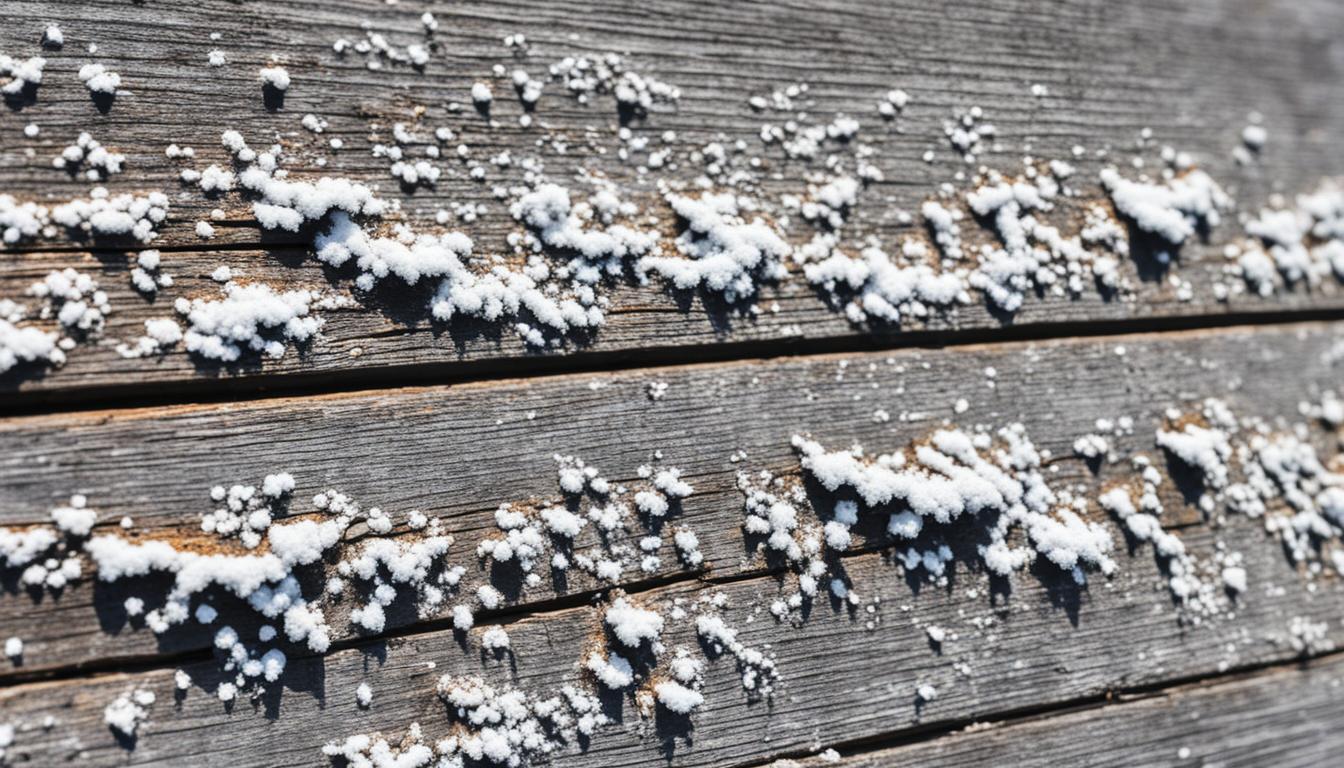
[(153, 465), (1008, 718), (499, 616), (269, 386), (1189, 73)]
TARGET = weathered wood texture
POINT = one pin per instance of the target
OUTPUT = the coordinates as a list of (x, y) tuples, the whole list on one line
[(1187, 73), (1190, 73), (386, 343), (839, 681), (1283, 717), (459, 452), (848, 675)]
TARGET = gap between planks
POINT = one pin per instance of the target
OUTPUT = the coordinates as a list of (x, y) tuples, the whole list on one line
[(276, 386), (479, 509), (536, 609), (1007, 719), (927, 732)]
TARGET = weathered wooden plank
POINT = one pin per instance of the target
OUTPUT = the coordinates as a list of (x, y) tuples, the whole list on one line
[(1281, 716), (1111, 70), (1107, 69), (387, 341), (459, 451), (838, 680)]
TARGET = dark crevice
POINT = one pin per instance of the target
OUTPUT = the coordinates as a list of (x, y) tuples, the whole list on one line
[(272, 385), (507, 615), (149, 662), (120, 665), (105, 247), (535, 609), (927, 732)]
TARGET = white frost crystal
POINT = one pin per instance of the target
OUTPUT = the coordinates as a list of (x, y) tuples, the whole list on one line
[(248, 318), (99, 79), (721, 250), (275, 77), (1173, 210), (128, 711)]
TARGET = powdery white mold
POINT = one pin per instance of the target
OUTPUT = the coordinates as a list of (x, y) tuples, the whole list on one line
[(677, 697), (128, 712), (731, 245), (950, 477), (274, 77), (160, 333), (612, 671), (582, 77), (52, 37), (495, 295), (575, 248), (1173, 210), (721, 250), (508, 726), (632, 625), (71, 300), (87, 152), (954, 473), (24, 75), (20, 344), (99, 79), (100, 216), (529, 533), (1301, 244), (757, 670), (252, 317)]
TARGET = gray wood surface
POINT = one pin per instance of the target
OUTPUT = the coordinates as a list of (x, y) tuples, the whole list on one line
[(405, 414), (383, 346), (1284, 717), (1190, 74), (838, 680), (459, 452), (1042, 646)]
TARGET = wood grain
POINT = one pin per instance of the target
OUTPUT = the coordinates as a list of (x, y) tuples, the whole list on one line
[(839, 681), (403, 413), (1190, 74), (1281, 716), (458, 452)]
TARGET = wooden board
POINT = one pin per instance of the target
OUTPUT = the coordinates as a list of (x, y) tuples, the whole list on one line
[(1111, 70), (403, 413), (1186, 73), (1280, 716), (475, 447), (383, 346), (838, 680)]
